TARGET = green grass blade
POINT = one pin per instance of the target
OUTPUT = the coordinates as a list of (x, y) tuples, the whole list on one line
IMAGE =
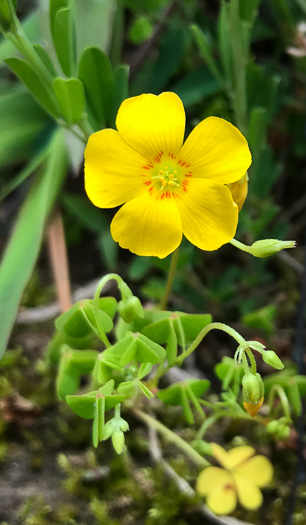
[(23, 248)]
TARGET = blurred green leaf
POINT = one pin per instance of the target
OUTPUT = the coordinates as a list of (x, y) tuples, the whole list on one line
[(261, 319), (13, 183), (23, 247), (121, 90), (206, 52), (70, 97), (257, 130), (90, 217), (109, 250), (32, 80), (170, 56), (22, 124), (139, 267), (196, 86), (96, 73)]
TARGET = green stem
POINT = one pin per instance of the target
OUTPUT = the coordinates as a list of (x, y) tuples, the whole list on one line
[(278, 390), (241, 246), (173, 265), (123, 287), (212, 326), (207, 423), (172, 438)]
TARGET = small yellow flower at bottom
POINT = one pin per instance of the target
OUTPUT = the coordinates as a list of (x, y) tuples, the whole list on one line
[(240, 479), (168, 188)]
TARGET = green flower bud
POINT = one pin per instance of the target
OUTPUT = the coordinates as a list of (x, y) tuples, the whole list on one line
[(252, 388), (267, 247), (123, 425), (118, 441), (283, 432), (109, 428), (272, 359), (272, 427), (130, 309)]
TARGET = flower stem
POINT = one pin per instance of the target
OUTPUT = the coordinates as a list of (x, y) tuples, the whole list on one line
[(204, 332), (172, 437), (277, 390), (173, 265)]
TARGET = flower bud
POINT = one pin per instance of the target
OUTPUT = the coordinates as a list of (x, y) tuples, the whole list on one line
[(272, 359), (267, 247), (272, 427), (118, 441), (283, 432), (279, 429), (253, 393), (130, 309), (252, 388)]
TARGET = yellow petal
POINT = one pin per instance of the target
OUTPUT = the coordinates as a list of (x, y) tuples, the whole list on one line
[(249, 494), (223, 498), (152, 124), (113, 171), (221, 455), (148, 226), (239, 191), (216, 150), (238, 455), (258, 469), (209, 478), (209, 214)]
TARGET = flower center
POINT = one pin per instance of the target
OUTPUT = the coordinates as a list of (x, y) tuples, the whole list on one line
[(167, 177)]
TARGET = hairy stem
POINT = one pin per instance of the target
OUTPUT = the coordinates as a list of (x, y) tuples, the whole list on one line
[(172, 438), (174, 259)]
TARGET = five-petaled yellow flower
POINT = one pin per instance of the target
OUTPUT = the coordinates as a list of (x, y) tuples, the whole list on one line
[(167, 188), (240, 478)]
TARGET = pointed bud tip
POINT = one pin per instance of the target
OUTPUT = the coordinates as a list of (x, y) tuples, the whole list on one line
[(253, 408)]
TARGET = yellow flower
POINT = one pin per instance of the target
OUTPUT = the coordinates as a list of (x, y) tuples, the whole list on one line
[(240, 478), (167, 189)]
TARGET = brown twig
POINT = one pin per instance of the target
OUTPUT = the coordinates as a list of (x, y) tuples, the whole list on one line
[(59, 261)]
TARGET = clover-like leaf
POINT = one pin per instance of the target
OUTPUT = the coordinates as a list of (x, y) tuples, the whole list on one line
[(183, 392), (73, 363), (135, 347)]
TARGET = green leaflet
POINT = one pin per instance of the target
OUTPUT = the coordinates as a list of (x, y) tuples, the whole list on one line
[(70, 97), (96, 73)]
